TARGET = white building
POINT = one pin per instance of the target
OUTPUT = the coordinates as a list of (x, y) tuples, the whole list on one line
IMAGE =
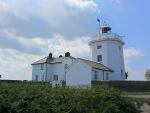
[(107, 63), (108, 50)]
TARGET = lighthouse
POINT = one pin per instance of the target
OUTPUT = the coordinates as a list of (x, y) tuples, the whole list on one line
[(107, 49)]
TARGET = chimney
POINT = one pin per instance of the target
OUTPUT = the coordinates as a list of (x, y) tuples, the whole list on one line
[(50, 55), (67, 54), (60, 56)]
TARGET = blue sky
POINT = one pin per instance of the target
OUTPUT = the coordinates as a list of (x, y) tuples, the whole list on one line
[(29, 30)]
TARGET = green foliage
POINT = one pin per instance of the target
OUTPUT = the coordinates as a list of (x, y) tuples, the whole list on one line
[(147, 74), (41, 98), (140, 101)]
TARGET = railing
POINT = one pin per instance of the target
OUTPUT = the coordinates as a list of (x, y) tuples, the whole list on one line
[(105, 36)]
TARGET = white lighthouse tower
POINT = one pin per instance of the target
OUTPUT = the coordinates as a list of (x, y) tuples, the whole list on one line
[(107, 49)]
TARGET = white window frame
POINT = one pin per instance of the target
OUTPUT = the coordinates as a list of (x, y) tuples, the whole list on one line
[(36, 77), (95, 75), (99, 46), (55, 77), (107, 76), (99, 58), (66, 66), (42, 66)]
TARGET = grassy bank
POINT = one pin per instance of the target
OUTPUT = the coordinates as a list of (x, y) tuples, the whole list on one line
[(41, 98)]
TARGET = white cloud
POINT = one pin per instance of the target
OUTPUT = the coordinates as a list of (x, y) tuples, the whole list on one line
[(48, 17), (78, 47), (83, 3), (23, 44), (15, 64), (131, 53), (134, 73)]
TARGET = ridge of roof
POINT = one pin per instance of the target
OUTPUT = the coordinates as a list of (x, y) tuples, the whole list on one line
[(96, 65), (51, 60)]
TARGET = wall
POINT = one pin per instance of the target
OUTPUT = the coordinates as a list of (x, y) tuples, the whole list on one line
[(56, 68), (49, 72), (131, 86), (67, 61), (78, 73), (116, 59), (36, 70), (112, 57)]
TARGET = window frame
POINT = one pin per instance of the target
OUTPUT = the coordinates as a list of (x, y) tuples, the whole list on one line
[(99, 58), (36, 77), (43, 77), (95, 75), (107, 76), (42, 66), (66, 66), (121, 72), (99, 46), (119, 47), (55, 77)]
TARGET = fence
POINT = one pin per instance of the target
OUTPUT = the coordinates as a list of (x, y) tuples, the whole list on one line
[(131, 86)]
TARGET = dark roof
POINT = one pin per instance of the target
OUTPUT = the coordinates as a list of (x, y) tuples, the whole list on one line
[(51, 60), (96, 65)]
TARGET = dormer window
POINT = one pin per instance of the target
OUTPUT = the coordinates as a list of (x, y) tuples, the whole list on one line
[(99, 46)]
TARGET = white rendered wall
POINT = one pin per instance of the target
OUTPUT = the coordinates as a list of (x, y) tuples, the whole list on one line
[(52, 69), (101, 75), (36, 71), (78, 73), (67, 61), (58, 70), (49, 72), (112, 56)]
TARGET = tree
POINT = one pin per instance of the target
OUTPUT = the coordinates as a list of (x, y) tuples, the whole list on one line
[(147, 74)]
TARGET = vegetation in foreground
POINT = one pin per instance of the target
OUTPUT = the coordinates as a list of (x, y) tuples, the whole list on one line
[(41, 98)]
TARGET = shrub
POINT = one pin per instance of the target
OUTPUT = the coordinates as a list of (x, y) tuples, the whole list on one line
[(41, 98)]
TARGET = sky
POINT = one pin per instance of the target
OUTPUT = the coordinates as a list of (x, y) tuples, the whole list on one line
[(30, 29)]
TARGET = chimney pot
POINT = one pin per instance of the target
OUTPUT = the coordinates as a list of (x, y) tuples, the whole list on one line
[(60, 56), (50, 55), (67, 54)]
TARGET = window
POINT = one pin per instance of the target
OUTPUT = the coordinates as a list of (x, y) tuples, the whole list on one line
[(55, 77), (119, 48), (99, 46), (95, 75), (66, 66), (43, 77), (42, 66), (121, 72), (36, 77), (99, 58), (107, 76)]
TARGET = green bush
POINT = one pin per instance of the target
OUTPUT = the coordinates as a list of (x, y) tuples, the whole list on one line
[(41, 98)]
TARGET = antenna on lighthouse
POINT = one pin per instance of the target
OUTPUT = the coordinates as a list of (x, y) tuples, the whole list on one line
[(98, 20)]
